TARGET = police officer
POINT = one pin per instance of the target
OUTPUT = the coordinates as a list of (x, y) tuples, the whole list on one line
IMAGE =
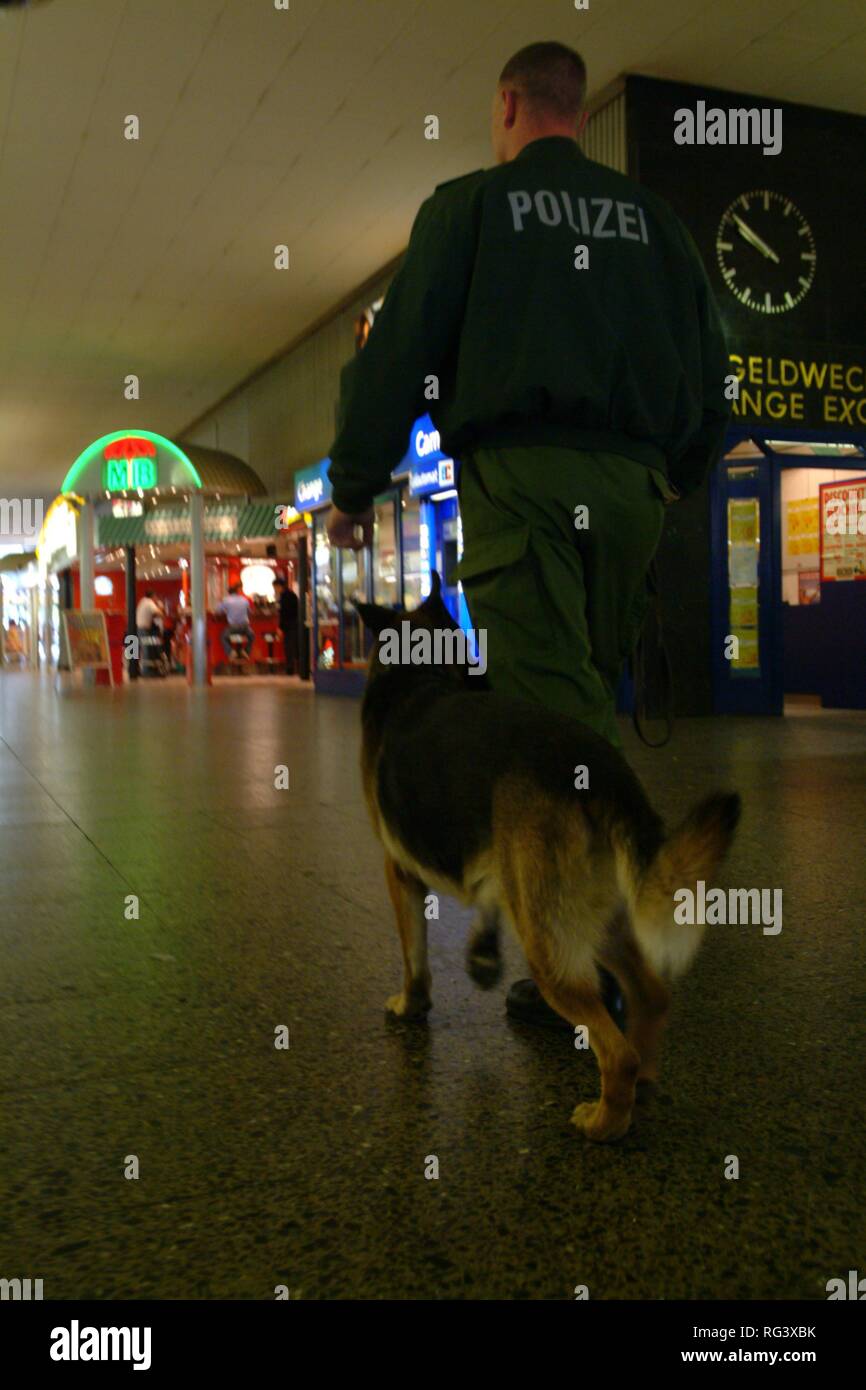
[(556, 321)]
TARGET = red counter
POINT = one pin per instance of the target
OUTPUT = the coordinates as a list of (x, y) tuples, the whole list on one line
[(116, 626), (261, 649)]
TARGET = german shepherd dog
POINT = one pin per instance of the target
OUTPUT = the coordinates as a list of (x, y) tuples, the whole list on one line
[(476, 795)]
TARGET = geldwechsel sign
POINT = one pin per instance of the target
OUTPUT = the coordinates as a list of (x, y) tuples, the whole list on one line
[(780, 240), (807, 387)]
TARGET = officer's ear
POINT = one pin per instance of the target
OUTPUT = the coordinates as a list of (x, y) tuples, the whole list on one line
[(374, 616)]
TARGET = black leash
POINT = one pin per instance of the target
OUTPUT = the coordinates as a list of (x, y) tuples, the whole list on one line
[(651, 670)]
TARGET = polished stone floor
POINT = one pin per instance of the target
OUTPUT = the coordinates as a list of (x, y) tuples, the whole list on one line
[(305, 1166)]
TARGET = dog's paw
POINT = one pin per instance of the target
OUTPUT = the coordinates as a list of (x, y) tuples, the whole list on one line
[(598, 1122), (412, 1007)]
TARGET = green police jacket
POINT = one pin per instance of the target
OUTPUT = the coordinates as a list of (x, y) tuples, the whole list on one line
[(506, 332)]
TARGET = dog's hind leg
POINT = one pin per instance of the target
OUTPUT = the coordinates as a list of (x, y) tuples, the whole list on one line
[(648, 998), (407, 895), (578, 1000), (483, 960)]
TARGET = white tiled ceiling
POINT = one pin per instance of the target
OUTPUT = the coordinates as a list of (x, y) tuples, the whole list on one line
[(261, 126)]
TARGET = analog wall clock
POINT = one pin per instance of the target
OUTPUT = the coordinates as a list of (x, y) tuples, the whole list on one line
[(766, 252)]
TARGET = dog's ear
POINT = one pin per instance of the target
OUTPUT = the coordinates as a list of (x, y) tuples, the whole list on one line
[(434, 609), (434, 598), (373, 616)]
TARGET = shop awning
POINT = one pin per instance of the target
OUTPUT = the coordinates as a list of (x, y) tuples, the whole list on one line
[(223, 473), (232, 520)]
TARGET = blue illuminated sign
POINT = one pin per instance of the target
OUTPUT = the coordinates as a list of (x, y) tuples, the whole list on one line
[(313, 487), (429, 469)]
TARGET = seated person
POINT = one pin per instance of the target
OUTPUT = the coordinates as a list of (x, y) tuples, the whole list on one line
[(149, 613), (14, 645), (236, 607)]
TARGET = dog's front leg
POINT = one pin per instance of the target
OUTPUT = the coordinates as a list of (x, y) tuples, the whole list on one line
[(578, 1000), (408, 895)]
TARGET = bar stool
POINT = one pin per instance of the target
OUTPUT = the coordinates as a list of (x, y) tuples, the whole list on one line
[(270, 659), (239, 660), (151, 648)]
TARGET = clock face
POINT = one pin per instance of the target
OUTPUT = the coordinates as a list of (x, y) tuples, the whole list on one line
[(766, 252)]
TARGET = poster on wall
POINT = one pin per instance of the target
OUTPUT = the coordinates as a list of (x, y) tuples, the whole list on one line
[(802, 522), (843, 530), (743, 551), (87, 642), (809, 586)]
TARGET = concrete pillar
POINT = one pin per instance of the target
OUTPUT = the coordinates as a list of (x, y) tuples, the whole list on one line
[(197, 589), (47, 623), (303, 607), (86, 571), (34, 628), (86, 557), (132, 666)]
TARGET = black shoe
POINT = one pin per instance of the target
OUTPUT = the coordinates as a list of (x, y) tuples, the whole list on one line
[(525, 1003)]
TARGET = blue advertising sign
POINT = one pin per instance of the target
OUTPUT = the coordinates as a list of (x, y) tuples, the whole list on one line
[(313, 487), (429, 469)]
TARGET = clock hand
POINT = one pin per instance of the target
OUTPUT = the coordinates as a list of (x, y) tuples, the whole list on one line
[(748, 235)]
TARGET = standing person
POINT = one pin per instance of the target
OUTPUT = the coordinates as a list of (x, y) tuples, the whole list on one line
[(288, 618), (556, 320), (236, 607)]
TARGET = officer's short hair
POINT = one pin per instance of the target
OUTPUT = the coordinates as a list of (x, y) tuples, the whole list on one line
[(551, 77)]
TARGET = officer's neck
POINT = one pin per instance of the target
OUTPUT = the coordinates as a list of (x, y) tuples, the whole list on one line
[(530, 135)]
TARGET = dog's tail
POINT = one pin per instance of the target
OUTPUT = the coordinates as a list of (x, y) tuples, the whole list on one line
[(694, 851)]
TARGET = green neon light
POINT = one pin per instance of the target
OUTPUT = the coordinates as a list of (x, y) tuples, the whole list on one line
[(123, 475), (85, 459)]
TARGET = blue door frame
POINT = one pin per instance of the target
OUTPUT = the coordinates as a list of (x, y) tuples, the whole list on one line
[(761, 692)]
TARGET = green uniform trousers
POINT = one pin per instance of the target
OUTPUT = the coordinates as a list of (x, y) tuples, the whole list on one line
[(556, 546)]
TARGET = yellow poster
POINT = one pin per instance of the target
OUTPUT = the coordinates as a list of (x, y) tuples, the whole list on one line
[(746, 657), (802, 523), (744, 608), (743, 521)]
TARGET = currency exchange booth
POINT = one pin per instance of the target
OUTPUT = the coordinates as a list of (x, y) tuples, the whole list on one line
[(789, 570), (770, 559)]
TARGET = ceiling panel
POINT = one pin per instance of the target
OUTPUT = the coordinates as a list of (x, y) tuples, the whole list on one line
[(261, 126)]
